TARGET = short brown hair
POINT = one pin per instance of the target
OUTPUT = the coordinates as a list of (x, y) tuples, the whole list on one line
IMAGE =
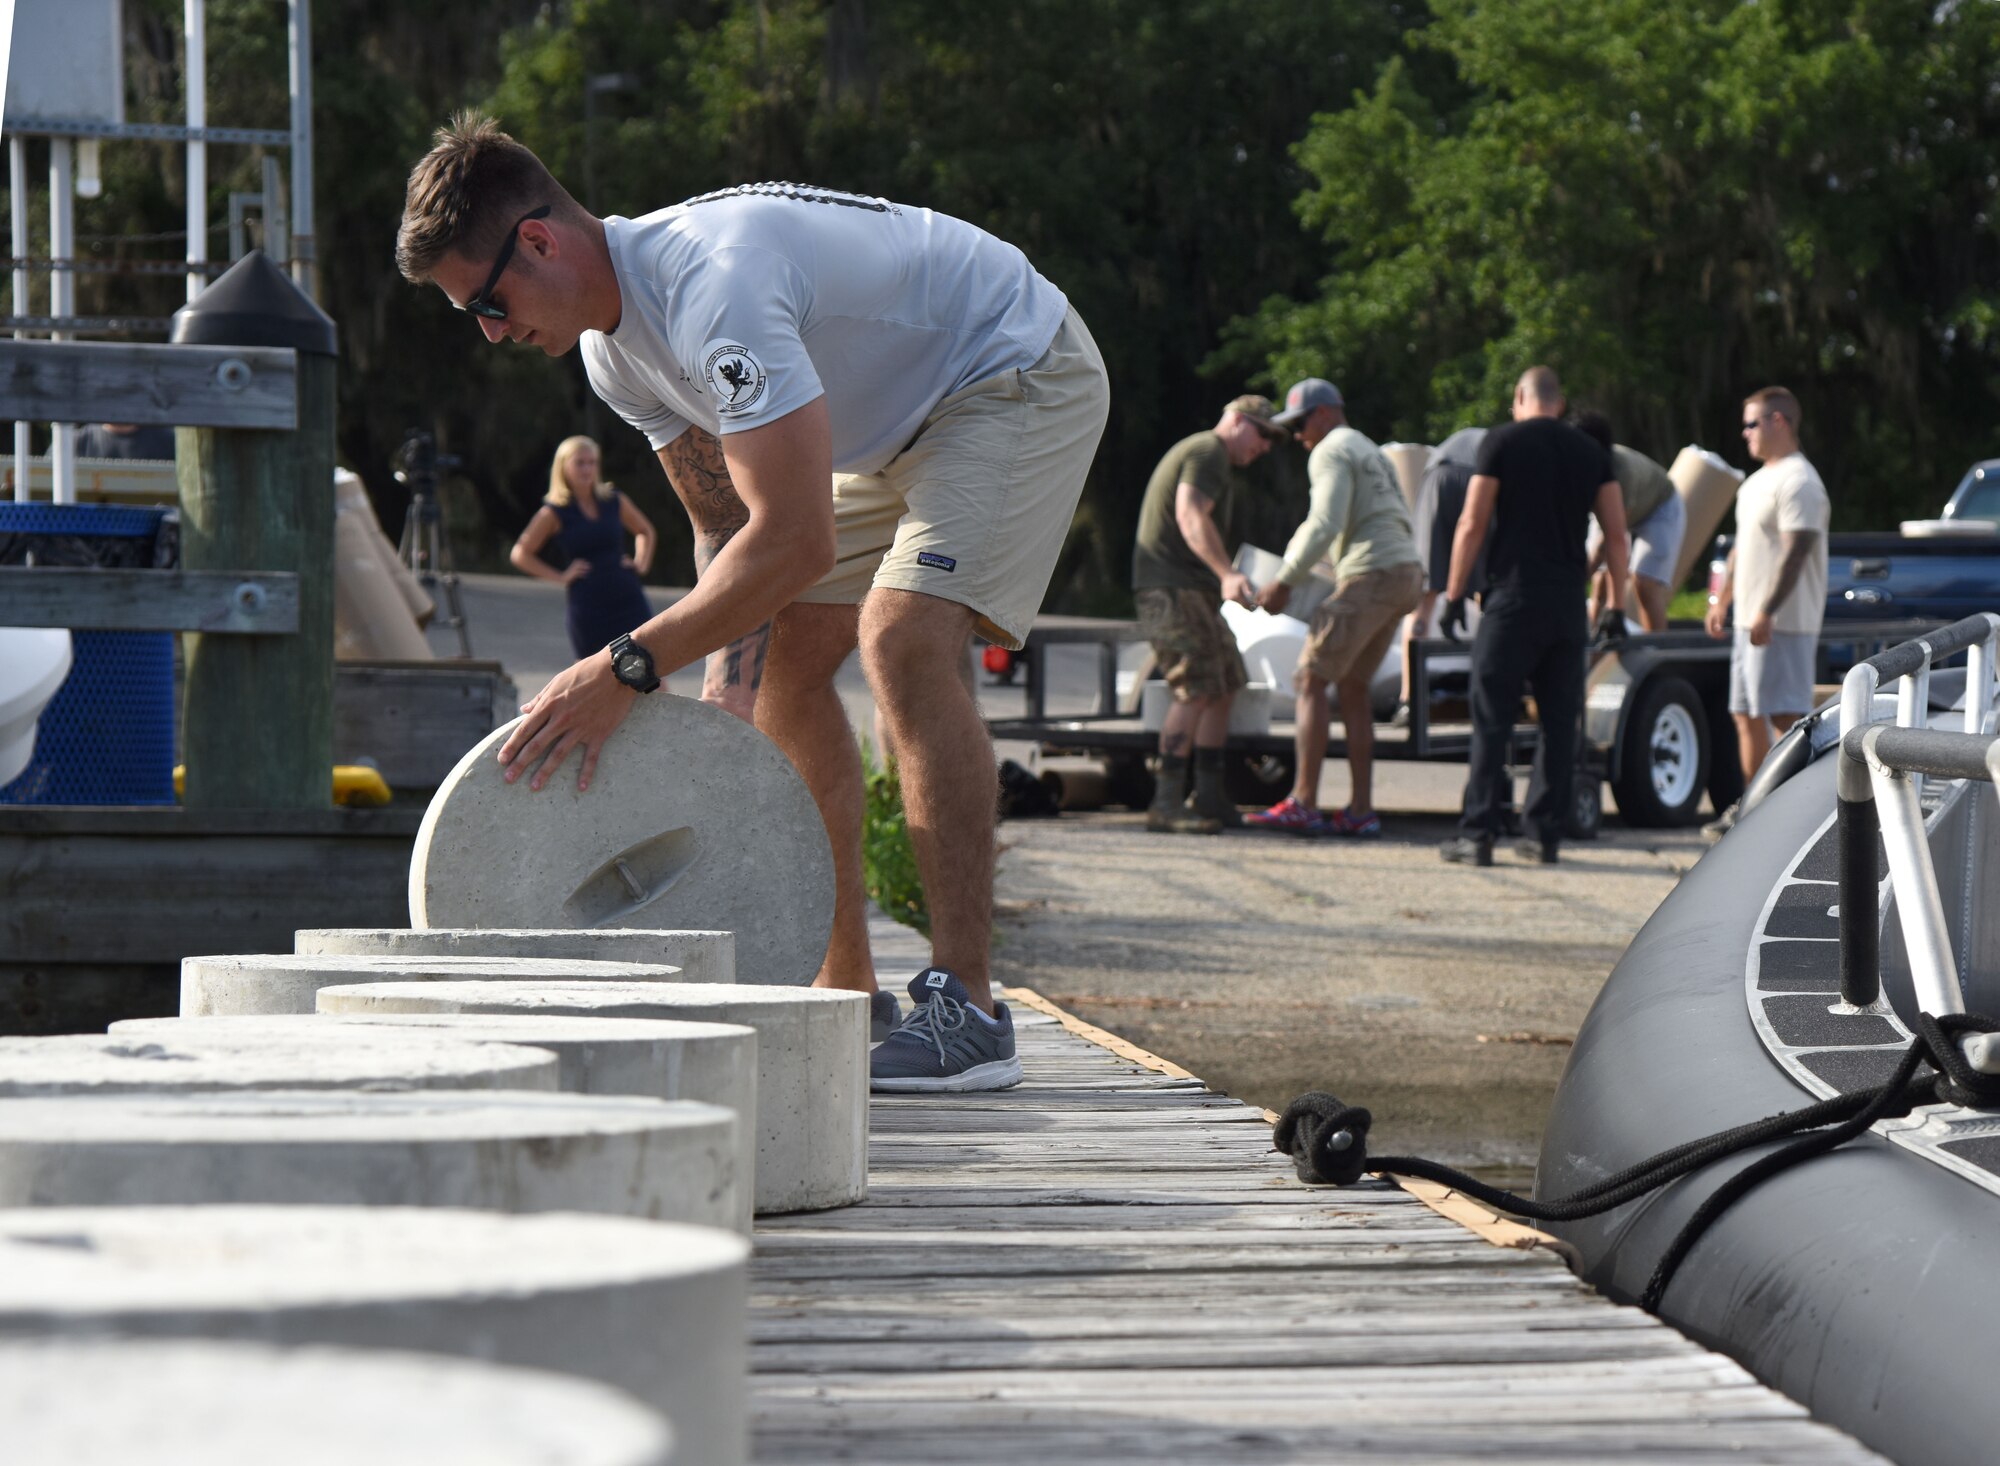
[(1780, 400), (466, 190), (1542, 385)]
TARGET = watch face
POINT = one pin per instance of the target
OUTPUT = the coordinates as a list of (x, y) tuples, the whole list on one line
[(630, 667)]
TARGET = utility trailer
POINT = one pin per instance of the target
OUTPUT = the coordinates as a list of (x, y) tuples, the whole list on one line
[(1656, 720)]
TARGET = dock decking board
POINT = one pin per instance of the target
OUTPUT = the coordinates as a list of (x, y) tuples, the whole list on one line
[(1110, 1264)]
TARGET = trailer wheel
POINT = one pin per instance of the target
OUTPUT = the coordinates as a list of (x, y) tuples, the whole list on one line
[(1261, 779), (1128, 781), (1586, 813), (1725, 769), (1664, 766)]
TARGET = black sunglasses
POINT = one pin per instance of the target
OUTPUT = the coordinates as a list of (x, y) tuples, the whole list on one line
[(483, 304)]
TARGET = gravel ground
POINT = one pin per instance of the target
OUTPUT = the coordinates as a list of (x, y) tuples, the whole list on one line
[(1442, 998)]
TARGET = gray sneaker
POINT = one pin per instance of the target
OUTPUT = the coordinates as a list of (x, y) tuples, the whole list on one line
[(883, 1015), (945, 1044)]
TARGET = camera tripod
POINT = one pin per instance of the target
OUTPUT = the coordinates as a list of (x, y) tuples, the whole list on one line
[(425, 547)]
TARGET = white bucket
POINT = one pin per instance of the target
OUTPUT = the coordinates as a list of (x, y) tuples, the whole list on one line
[(1249, 715), (34, 663)]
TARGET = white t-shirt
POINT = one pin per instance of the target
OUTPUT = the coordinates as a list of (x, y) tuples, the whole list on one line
[(742, 306), (1783, 495)]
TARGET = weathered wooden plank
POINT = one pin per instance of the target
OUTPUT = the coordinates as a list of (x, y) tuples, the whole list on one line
[(171, 386), (1128, 1436), (1207, 1217), (1282, 1349), (81, 598)]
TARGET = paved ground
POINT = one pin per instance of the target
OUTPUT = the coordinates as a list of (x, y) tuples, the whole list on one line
[(1440, 997)]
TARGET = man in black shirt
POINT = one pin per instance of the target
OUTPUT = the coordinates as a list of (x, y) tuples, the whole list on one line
[(1538, 480)]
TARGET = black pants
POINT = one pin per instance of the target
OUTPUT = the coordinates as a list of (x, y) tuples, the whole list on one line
[(1536, 643)]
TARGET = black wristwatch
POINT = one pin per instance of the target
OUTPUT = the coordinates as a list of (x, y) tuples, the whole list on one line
[(632, 664)]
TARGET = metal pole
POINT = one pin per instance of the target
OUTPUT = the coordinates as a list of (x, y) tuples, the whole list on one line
[(1859, 827), (17, 198), (62, 300), (277, 232), (305, 254), (1919, 908), (1978, 684), (197, 152)]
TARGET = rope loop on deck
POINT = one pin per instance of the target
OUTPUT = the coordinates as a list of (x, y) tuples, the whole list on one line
[(1328, 1140), (1313, 1121)]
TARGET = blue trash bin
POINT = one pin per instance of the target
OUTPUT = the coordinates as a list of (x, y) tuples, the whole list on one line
[(108, 736)]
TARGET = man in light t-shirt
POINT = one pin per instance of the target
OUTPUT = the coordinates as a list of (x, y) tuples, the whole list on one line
[(1776, 580), (1358, 516), (891, 414)]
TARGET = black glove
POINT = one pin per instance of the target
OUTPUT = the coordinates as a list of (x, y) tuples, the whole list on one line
[(1453, 624), (1611, 624)]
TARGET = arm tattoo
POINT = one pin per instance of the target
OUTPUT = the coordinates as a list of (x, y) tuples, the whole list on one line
[(700, 476)]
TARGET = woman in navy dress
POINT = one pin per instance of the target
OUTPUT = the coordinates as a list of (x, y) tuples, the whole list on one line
[(589, 519)]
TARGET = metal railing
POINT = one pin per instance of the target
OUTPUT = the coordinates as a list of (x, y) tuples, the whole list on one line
[(1879, 791)]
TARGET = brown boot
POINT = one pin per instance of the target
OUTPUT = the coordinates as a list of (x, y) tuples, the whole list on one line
[(1167, 814), (1211, 801)]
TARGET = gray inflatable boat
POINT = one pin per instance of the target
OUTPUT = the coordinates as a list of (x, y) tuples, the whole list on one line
[(1865, 1282)]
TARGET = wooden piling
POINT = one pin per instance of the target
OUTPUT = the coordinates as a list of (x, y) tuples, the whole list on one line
[(258, 711)]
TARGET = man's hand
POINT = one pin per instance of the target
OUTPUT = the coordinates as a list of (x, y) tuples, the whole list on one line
[(581, 707), (1274, 597), (1611, 624), (1236, 588), (1760, 629), (1453, 624), (1717, 620)]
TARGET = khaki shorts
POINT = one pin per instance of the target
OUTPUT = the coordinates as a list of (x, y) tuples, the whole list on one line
[(1353, 627), (976, 509), (1193, 644)]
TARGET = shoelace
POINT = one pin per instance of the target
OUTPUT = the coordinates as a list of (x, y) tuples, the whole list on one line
[(933, 1018)]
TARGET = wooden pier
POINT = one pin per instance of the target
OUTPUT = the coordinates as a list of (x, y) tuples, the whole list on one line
[(1109, 1263)]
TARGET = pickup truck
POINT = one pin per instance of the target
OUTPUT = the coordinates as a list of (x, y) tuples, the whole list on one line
[(1939, 569)]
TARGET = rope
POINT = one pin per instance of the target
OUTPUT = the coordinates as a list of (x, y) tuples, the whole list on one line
[(1327, 1141)]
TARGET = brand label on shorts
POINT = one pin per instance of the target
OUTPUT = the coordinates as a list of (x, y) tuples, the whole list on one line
[(937, 562), (936, 978)]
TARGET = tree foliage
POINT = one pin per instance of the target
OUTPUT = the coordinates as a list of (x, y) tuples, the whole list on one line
[(1674, 206)]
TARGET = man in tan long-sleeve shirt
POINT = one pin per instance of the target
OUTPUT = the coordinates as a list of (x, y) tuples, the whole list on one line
[(1359, 518)]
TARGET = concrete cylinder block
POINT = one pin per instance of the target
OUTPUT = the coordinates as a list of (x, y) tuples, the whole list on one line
[(712, 1062), (652, 1308), (285, 983), (666, 1160), (700, 955), (812, 1062), (692, 819), (104, 1063), (200, 1402)]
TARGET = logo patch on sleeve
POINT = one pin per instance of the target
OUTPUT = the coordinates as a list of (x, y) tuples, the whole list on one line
[(734, 375), (936, 562)]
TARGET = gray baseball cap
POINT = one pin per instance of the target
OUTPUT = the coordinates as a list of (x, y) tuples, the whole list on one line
[(1304, 397)]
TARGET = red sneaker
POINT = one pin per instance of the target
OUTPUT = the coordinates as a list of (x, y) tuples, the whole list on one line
[(1290, 816), (1352, 826)]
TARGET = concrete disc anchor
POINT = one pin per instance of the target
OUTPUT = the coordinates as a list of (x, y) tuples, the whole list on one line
[(693, 819)]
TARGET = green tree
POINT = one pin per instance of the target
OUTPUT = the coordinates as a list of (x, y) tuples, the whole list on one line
[(1674, 206)]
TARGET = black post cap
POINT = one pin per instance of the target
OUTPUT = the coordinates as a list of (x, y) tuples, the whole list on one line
[(254, 303)]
